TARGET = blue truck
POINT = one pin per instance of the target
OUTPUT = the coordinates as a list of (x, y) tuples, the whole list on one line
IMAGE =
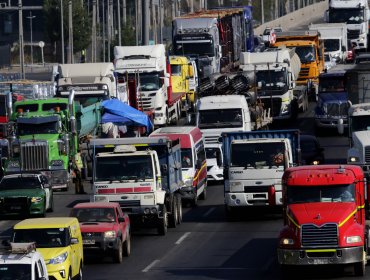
[(254, 163)]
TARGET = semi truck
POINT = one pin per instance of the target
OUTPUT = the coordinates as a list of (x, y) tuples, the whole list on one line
[(146, 74), (254, 163), (143, 175), (356, 14), (214, 38), (324, 218), (334, 36), (310, 49), (276, 73)]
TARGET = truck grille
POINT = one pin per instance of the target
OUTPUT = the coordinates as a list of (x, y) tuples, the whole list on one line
[(274, 104), (324, 236), (145, 103), (305, 71), (337, 109), (367, 154), (34, 155), (128, 203), (212, 139), (353, 34)]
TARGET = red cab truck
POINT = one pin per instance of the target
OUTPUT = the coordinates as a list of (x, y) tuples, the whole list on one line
[(324, 217)]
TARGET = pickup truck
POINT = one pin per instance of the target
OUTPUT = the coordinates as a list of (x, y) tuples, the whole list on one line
[(105, 229)]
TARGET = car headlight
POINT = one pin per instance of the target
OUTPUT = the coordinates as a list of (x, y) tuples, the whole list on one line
[(59, 259), (110, 234), (353, 239), (36, 199), (57, 162), (14, 164), (316, 162), (353, 159), (189, 182), (286, 241)]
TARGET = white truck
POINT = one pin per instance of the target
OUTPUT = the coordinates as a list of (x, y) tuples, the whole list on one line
[(276, 72), (335, 39), (143, 175), (254, 163), (22, 261), (356, 14), (144, 72), (87, 79)]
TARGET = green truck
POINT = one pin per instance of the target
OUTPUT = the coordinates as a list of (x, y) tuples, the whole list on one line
[(47, 134)]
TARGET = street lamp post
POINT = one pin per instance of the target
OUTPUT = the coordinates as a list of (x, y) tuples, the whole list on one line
[(31, 17)]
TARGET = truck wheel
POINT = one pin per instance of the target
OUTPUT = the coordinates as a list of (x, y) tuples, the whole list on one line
[(117, 254), (179, 209), (359, 268), (173, 217), (127, 245), (162, 222), (203, 195)]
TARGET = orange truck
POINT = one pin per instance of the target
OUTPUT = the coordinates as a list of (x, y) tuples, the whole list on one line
[(310, 49)]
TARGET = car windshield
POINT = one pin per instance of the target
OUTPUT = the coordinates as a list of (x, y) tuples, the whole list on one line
[(19, 183), (219, 118), (306, 53), (331, 45), (349, 16), (37, 128), (15, 271), (44, 237), (121, 168), (187, 158), (360, 123), (327, 193), (94, 214), (257, 155)]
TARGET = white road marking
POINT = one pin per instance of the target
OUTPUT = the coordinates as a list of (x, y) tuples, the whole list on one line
[(186, 234), (209, 212), (153, 263)]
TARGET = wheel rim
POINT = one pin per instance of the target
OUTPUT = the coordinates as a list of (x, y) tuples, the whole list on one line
[(175, 213)]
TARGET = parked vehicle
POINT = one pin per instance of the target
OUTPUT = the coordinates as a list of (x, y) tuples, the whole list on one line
[(22, 261), (59, 241), (143, 175), (25, 194), (193, 159), (254, 163), (324, 218), (105, 229), (311, 150)]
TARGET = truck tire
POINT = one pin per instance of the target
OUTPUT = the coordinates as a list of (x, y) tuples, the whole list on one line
[(117, 253), (179, 209), (173, 217), (162, 222), (359, 268), (127, 245)]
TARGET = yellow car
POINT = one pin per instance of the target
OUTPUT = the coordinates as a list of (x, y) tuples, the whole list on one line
[(59, 241)]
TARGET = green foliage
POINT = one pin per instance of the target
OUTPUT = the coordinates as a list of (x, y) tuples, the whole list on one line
[(128, 34)]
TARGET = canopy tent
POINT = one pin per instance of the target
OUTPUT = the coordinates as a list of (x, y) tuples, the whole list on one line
[(117, 112)]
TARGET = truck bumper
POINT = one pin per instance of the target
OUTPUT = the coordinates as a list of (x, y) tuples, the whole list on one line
[(320, 257), (330, 122), (252, 199)]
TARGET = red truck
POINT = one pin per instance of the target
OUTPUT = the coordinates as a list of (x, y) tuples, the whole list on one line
[(324, 217), (105, 228)]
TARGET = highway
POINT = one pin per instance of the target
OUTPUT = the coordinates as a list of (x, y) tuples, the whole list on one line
[(206, 245)]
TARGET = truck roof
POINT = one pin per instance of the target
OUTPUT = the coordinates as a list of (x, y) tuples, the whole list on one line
[(154, 51), (219, 101), (102, 69), (279, 55), (178, 60), (215, 13), (347, 4), (96, 205), (184, 133), (330, 30)]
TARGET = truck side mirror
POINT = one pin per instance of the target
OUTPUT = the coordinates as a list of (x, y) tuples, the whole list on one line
[(191, 119), (344, 48), (340, 126)]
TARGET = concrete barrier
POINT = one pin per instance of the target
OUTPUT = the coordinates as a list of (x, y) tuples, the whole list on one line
[(302, 16)]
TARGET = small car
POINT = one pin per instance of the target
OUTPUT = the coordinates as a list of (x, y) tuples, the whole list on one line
[(311, 151), (105, 228), (25, 194)]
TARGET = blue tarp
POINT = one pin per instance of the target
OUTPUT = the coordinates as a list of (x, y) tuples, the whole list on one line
[(117, 112)]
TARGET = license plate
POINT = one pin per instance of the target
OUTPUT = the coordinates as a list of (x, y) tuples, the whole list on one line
[(88, 241), (321, 261), (15, 207)]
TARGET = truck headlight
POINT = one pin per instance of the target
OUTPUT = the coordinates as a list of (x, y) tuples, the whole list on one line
[(100, 198), (57, 162), (110, 234), (36, 199), (353, 239), (235, 184), (189, 182), (14, 164), (104, 87), (148, 196), (286, 241), (59, 259), (353, 159)]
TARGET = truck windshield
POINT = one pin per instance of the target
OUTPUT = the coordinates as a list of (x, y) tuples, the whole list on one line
[(331, 45), (44, 237), (306, 53), (331, 84), (327, 193), (150, 82), (257, 155), (271, 78), (176, 70), (42, 128), (360, 123), (100, 215), (197, 46), (218, 118), (212, 152), (19, 183), (120, 168), (349, 16), (15, 271), (187, 158)]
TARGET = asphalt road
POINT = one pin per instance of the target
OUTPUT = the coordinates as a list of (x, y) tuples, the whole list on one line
[(206, 245)]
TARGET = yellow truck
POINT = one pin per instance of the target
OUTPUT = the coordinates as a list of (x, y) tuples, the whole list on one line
[(184, 80), (310, 49)]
